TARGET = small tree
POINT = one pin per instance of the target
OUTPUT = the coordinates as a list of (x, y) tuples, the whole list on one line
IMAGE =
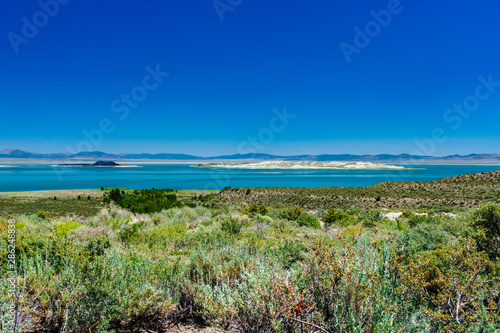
[(115, 195)]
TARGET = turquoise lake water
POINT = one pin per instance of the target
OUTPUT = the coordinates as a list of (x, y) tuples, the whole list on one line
[(37, 177)]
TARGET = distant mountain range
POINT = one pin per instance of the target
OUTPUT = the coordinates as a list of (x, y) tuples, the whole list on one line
[(387, 158)]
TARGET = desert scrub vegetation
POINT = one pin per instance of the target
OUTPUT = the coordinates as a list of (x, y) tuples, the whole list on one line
[(460, 192), (57, 203), (277, 268), (88, 203)]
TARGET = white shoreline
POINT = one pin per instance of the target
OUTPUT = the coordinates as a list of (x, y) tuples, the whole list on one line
[(305, 165), (10, 162)]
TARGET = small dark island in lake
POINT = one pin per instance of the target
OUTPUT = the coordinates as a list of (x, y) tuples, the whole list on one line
[(96, 164)]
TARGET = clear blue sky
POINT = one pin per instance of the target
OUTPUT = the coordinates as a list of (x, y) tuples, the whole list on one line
[(226, 76)]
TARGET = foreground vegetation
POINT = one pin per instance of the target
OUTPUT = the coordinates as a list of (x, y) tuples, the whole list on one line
[(256, 267)]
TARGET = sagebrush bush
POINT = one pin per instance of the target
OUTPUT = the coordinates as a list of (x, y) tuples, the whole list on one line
[(414, 220), (255, 209), (231, 225), (291, 213), (354, 289), (308, 220), (423, 237), (454, 225), (487, 217), (486, 221), (457, 286), (289, 252), (371, 217), (338, 217), (43, 215)]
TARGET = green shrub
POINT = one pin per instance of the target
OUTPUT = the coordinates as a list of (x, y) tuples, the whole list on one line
[(371, 217), (231, 288), (338, 217), (43, 215), (351, 282), (423, 237), (65, 227), (207, 223), (486, 219), (291, 213), (130, 231), (117, 223), (206, 198), (456, 286), (263, 219), (308, 220), (454, 225), (255, 209), (289, 252), (280, 225), (231, 225), (415, 220), (96, 246)]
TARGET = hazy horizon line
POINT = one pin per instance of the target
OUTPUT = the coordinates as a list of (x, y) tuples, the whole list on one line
[(237, 153)]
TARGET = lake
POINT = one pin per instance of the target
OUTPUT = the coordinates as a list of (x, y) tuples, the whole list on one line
[(182, 176)]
